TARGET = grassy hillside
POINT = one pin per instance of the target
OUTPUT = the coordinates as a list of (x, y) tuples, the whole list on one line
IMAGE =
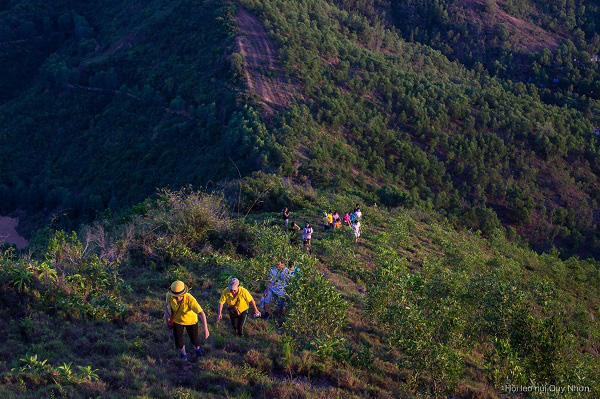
[(113, 100), (418, 308)]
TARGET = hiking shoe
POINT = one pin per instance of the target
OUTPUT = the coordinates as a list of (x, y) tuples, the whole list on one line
[(199, 352), (183, 357)]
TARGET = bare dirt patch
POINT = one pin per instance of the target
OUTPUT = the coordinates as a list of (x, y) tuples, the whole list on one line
[(8, 232), (527, 36), (264, 75)]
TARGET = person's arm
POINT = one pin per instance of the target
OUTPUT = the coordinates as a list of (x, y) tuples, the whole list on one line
[(256, 312), (222, 301), (250, 300), (168, 318), (269, 280), (203, 317), (219, 312)]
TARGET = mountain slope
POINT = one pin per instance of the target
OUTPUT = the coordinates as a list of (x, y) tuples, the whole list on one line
[(417, 308), (169, 93), (135, 96), (394, 114), (263, 73)]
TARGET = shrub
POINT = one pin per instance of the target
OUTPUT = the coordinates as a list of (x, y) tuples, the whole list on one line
[(270, 245), (316, 311), (188, 217), (40, 372), (266, 192), (69, 280)]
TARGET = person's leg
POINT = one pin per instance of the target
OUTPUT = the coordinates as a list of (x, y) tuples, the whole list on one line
[(281, 304), (241, 320), (274, 302), (234, 321), (266, 304), (193, 334), (268, 301), (178, 334)]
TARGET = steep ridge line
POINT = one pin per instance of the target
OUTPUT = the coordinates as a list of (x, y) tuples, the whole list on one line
[(264, 76)]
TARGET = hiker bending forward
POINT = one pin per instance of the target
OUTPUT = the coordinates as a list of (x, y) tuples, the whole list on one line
[(238, 300), (181, 312)]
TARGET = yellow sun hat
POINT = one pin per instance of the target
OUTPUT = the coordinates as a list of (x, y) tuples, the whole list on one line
[(178, 288)]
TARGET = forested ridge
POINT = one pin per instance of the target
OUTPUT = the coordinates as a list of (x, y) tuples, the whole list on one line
[(481, 110)]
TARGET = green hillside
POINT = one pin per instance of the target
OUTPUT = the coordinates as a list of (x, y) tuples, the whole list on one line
[(473, 124), (401, 118), (488, 120), (114, 99), (417, 309)]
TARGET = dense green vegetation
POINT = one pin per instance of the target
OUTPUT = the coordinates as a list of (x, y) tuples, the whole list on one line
[(379, 112), (409, 103), (532, 41), (470, 123), (132, 97), (418, 309)]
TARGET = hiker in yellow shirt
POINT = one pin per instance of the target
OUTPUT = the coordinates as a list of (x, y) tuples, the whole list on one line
[(181, 311), (238, 300)]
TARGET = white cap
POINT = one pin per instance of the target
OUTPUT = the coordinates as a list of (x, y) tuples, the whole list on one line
[(234, 283)]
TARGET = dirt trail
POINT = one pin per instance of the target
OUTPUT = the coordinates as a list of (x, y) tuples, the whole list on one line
[(8, 232), (260, 59)]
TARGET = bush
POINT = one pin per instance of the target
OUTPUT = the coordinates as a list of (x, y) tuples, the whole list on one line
[(69, 281), (424, 320), (40, 372), (266, 192), (270, 244), (392, 196), (189, 217), (316, 311)]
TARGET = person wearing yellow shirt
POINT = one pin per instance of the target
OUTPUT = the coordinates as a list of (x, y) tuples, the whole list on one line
[(238, 300), (181, 312)]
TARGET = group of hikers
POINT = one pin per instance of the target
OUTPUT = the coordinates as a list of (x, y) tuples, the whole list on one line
[(331, 220), (182, 309)]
